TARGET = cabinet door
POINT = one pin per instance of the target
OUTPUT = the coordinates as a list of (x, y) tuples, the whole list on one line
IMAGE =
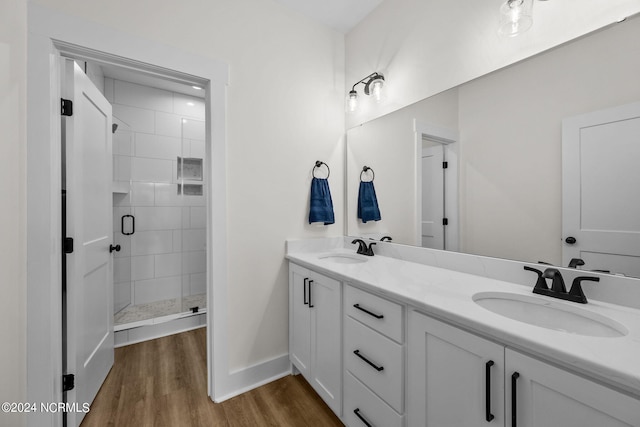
[(454, 378), (299, 319), (549, 396), (326, 335)]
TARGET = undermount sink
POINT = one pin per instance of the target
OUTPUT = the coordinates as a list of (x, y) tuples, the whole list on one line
[(343, 258), (546, 313)]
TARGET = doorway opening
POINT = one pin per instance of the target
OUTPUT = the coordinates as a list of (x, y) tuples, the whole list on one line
[(53, 37), (134, 179), (159, 203), (436, 186)]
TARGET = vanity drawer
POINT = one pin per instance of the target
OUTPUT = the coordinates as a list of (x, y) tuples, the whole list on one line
[(380, 314), (359, 399), (376, 361)]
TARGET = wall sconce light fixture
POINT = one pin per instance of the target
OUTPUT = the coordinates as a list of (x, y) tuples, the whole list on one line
[(372, 86), (515, 17)]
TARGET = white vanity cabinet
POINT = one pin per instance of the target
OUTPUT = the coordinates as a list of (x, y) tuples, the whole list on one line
[(455, 378), (545, 395), (315, 332), (459, 379), (373, 360)]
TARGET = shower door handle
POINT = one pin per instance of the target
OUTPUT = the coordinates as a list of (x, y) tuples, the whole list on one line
[(133, 224)]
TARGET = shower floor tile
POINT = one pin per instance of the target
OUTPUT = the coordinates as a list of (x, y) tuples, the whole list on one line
[(136, 313)]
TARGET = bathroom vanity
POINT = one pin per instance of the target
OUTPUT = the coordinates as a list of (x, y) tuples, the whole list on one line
[(397, 340)]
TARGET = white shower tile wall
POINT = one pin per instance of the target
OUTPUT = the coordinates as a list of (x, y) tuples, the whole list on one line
[(165, 257)]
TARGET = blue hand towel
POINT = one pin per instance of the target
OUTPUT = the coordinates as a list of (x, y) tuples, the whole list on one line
[(321, 206), (368, 209)]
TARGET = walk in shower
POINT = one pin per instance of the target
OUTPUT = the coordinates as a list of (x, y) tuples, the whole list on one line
[(159, 204)]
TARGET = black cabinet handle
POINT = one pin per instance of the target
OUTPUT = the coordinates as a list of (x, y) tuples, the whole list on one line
[(571, 240), (487, 372), (363, 419), (310, 283), (514, 396), (373, 365), (304, 287), (377, 316), (114, 248), (133, 224)]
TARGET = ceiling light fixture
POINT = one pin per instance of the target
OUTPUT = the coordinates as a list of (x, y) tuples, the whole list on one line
[(515, 17), (373, 84)]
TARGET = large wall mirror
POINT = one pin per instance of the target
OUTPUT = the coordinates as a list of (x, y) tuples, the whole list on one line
[(501, 136)]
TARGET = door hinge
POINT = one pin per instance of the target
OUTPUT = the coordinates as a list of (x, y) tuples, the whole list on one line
[(445, 221), (68, 382), (67, 245), (66, 107), (445, 165)]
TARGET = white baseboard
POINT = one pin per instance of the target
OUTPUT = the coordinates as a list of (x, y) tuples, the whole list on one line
[(246, 379), (153, 331)]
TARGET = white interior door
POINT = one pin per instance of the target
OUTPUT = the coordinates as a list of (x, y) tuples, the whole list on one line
[(432, 197), (89, 304), (600, 195)]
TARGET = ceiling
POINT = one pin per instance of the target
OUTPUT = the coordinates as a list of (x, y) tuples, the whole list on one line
[(342, 15)]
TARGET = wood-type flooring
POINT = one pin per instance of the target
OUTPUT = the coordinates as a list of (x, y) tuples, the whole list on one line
[(163, 382)]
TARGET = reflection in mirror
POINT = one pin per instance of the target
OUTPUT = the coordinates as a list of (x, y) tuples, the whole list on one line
[(502, 136)]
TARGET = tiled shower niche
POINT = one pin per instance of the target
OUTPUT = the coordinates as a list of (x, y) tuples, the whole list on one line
[(159, 205)]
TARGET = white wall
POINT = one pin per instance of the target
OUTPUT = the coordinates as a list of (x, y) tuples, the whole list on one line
[(13, 65), (511, 139), (425, 47), (284, 111)]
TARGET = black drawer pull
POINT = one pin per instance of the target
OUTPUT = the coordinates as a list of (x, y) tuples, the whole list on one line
[(310, 283), (304, 287), (487, 372), (377, 316), (363, 419), (373, 365), (514, 396)]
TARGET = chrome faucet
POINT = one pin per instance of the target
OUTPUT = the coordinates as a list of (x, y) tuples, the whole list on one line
[(558, 288)]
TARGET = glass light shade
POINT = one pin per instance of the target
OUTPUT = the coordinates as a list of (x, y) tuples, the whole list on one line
[(352, 101), (515, 17), (376, 89)]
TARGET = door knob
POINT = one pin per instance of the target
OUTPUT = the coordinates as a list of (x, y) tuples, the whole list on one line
[(570, 240), (114, 248)]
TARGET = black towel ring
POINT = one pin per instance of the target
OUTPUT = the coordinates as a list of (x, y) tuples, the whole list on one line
[(365, 170), (318, 164)]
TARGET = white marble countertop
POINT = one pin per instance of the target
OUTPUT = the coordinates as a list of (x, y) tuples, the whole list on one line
[(448, 295)]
